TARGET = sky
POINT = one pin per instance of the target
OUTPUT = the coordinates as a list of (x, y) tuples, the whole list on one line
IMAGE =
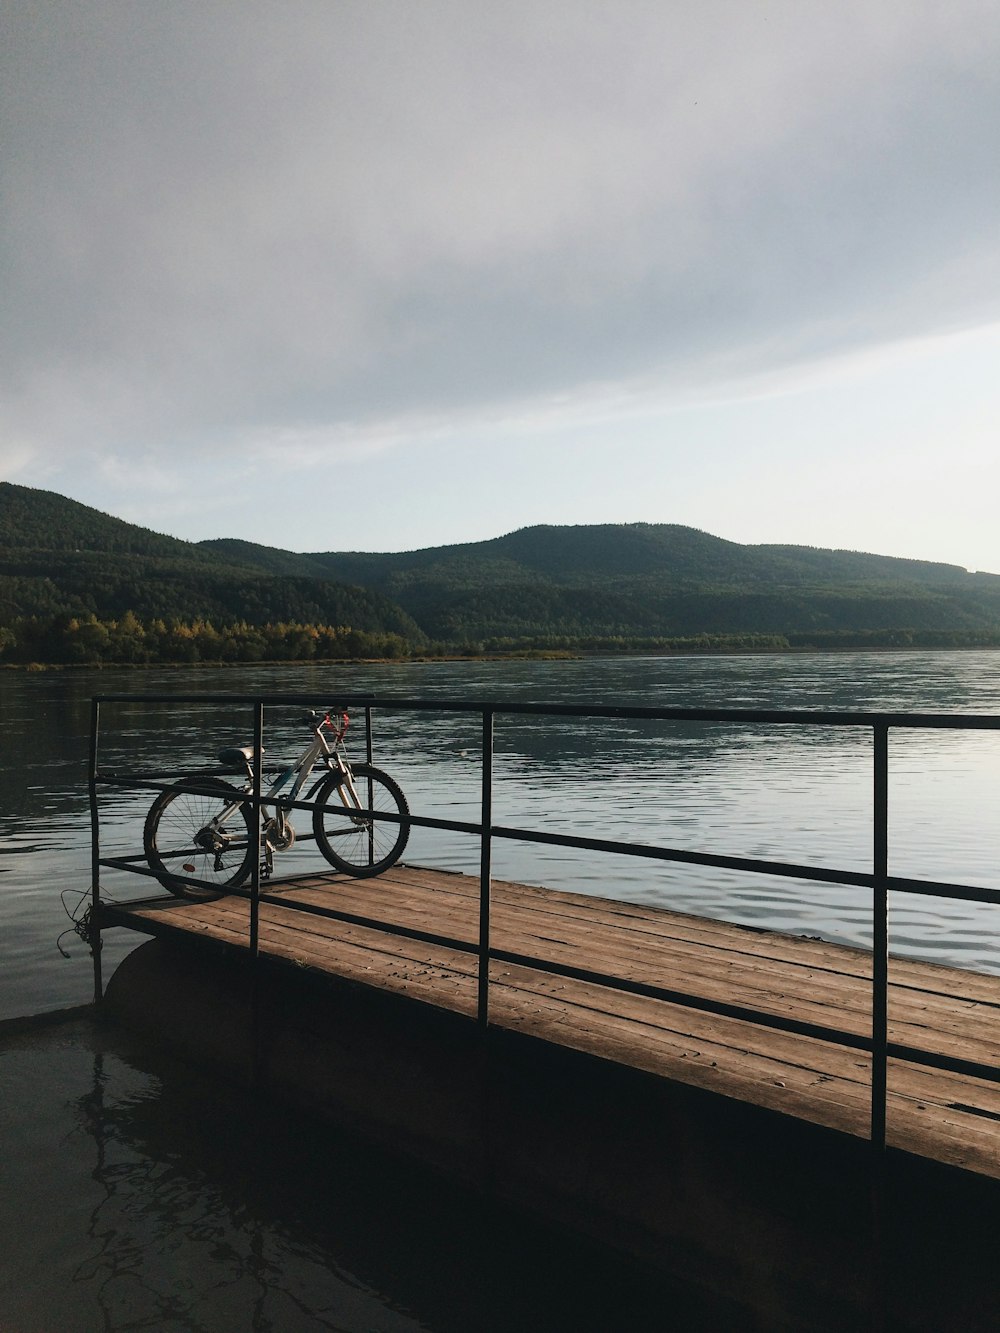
[(388, 274)]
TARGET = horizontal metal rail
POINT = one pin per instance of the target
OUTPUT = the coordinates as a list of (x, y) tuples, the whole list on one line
[(740, 716), (671, 995), (784, 869), (876, 880)]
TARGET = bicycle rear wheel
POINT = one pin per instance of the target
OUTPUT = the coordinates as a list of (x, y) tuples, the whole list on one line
[(191, 856), (356, 844)]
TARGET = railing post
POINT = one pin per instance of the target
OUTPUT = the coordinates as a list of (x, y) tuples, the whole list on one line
[(880, 937), (256, 1068), (368, 734), (880, 1018), (257, 788), (485, 870), (95, 854)]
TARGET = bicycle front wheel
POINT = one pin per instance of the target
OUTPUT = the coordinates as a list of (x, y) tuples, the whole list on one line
[(356, 844), (200, 843)]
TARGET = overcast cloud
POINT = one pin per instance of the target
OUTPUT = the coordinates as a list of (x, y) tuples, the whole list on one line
[(316, 235)]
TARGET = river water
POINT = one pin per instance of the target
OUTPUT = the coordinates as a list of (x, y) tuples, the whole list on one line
[(127, 1201), (792, 793)]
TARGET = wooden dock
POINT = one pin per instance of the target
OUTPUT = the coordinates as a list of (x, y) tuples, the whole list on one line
[(946, 1117)]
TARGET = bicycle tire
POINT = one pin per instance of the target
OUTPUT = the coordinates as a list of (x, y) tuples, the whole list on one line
[(356, 845), (175, 819)]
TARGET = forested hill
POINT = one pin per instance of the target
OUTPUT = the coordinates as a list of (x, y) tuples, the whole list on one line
[(62, 560), (569, 555), (652, 581), (43, 521), (69, 575)]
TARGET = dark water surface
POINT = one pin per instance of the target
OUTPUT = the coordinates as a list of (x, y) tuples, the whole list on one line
[(138, 1194)]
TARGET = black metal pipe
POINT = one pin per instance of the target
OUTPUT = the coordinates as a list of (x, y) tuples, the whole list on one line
[(120, 914), (776, 717), (485, 871), (258, 769), (256, 971), (369, 756), (879, 881), (880, 937), (96, 943), (936, 1060), (785, 869), (607, 980), (880, 1020), (820, 873)]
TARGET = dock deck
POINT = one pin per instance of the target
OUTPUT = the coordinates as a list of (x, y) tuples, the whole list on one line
[(947, 1117)]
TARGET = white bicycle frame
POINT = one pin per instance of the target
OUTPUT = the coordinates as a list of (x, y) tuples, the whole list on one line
[(277, 832)]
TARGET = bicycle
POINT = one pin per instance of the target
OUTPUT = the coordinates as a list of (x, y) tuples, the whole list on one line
[(200, 835)]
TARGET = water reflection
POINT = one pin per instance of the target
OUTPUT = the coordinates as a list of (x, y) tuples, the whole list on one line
[(148, 1196), (178, 1231)]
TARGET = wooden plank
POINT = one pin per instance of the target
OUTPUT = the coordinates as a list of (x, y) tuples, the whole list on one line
[(382, 955), (822, 1058), (327, 941), (722, 984), (330, 933), (837, 1102), (760, 944), (802, 995), (943, 1115), (916, 1018)]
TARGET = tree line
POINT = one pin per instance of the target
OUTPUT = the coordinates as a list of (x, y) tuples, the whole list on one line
[(127, 640), (89, 641), (812, 640)]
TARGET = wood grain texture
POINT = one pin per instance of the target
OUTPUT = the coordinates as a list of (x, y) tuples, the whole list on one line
[(948, 1117)]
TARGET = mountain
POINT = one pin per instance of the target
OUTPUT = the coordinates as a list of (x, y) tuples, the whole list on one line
[(602, 585), (43, 521), (58, 557), (652, 580), (568, 554)]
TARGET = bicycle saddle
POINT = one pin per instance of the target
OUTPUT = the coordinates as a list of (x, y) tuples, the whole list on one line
[(237, 759)]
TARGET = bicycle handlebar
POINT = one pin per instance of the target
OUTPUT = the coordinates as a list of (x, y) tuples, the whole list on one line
[(315, 720)]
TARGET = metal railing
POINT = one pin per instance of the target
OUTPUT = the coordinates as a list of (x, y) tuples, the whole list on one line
[(878, 880)]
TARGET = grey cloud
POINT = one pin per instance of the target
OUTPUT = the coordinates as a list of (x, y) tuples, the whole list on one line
[(223, 219)]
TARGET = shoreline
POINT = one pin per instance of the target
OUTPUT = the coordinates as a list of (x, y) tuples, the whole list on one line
[(528, 655)]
